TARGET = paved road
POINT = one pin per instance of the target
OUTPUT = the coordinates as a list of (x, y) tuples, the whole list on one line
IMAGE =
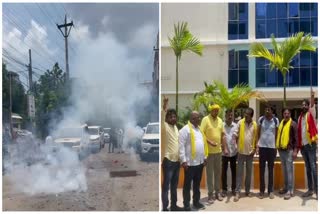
[(138, 193)]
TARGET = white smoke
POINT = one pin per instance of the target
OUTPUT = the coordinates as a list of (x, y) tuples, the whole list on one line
[(36, 168)]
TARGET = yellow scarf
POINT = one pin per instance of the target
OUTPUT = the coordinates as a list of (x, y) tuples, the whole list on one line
[(193, 142), (283, 140), (242, 133)]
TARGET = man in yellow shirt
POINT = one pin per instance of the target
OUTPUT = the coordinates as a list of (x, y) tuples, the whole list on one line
[(169, 157), (213, 129)]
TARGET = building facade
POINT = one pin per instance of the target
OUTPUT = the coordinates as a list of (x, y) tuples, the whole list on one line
[(227, 30)]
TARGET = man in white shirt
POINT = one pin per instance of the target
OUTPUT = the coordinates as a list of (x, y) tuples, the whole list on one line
[(193, 153), (229, 127)]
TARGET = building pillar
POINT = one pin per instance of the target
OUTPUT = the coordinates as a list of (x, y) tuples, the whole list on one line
[(255, 104)]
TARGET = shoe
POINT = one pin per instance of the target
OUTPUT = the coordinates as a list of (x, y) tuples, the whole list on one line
[(287, 196), (233, 192), (199, 206), (176, 208), (249, 194), (210, 200), (236, 197), (283, 191), (187, 209), (224, 193), (219, 197), (271, 195), (261, 195), (165, 209), (307, 194)]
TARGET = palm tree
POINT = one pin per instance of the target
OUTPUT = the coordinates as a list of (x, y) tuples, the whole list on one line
[(183, 40), (283, 53), (219, 94)]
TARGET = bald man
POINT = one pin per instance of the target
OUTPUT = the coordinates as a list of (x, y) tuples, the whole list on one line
[(193, 153)]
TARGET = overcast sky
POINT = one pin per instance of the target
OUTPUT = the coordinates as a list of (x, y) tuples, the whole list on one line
[(133, 26)]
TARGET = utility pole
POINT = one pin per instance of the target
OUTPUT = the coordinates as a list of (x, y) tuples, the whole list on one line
[(65, 35), (10, 104), (31, 103), (30, 73)]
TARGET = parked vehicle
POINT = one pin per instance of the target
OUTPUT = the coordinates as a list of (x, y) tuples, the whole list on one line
[(71, 137), (96, 142), (150, 141)]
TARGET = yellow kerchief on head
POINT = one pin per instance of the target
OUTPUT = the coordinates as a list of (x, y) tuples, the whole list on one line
[(212, 107)]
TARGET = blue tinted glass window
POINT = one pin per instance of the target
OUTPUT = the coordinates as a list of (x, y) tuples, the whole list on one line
[(314, 58), (233, 78), (243, 76), (272, 79), (293, 79), (260, 29), (305, 25), (271, 10), (282, 11), (243, 30), (260, 78), (285, 19), (295, 62), (305, 76), (271, 27), (243, 11), (261, 10), (233, 11), (305, 58), (314, 9), (314, 26), (282, 28), (238, 68), (315, 76), (243, 59), (293, 9), (261, 63), (293, 26), (238, 21), (304, 9)]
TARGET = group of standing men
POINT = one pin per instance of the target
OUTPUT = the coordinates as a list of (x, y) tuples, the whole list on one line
[(214, 143)]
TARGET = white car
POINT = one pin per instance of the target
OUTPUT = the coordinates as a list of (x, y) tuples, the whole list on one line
[(71, 137), (96, 142), (150, 141)]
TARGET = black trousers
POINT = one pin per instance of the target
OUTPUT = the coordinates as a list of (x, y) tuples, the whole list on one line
[(170, 180), (266, 155), (192, 174), (233, 167)]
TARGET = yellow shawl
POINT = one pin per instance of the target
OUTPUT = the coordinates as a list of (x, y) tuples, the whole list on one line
[(242, 134), (283, 140), (193, 142)]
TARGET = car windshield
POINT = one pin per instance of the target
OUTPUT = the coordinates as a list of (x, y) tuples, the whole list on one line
[(70, 133), (93, 131), (153, 129)]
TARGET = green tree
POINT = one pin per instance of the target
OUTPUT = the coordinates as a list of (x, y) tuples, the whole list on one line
[(51, 96), (219, 94), (282, 53), (182, 41)]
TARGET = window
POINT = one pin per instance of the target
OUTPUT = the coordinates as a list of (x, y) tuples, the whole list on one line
[(304, 72), (285, 19), (238, 68), (238, 21)]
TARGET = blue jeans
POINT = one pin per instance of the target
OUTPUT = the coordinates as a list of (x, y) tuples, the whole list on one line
[(287, 168), (309, 155), (170, 179), (241, 159)]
